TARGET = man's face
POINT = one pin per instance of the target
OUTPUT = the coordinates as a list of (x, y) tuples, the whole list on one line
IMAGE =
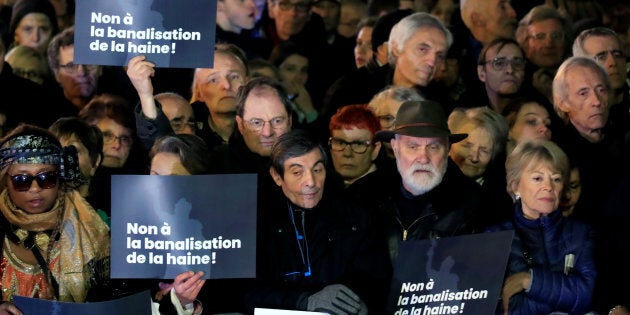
[(290, 16), (303, 180), (330, 11), (421, 162), (179, 114), (351, 15), (500, 19), (545, 43), (504, 70), (587, 100), (240, 13), (78, 81), (608, 53), (217, 87), (474, 153), (35, 31), (264, 120), (421, 55), (348, 163), (117, 142)]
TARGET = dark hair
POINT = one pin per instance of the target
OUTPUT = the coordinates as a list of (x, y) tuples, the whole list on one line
[(499, 43), (23, 7), (513, 107), (90, 136), (109, 106), (63, 39), (257, 84), (285, 50), (191, 150), (293, 144), (259, 63)]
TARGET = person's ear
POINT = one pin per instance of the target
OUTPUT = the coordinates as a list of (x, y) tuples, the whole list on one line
[(481, 73), (377, 149), (239, 124), (270, 10), (96, 164), (276, 177)]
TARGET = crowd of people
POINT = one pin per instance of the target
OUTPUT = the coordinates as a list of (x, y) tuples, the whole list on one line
[(368, 123)]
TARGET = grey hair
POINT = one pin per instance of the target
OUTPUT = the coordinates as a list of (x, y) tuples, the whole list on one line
[(483, 117), (397, 93), (560, 86), (578, 44), (403, 30)]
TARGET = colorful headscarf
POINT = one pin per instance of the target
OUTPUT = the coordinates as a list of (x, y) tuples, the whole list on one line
[(40, 149)]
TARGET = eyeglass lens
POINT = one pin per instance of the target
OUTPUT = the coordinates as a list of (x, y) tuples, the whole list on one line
[(45, 180)]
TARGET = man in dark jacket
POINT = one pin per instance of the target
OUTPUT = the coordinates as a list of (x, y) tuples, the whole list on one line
[(433, 198), (315, 252)]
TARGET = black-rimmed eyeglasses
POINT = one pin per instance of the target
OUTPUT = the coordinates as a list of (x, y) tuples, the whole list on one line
[(358, 147)]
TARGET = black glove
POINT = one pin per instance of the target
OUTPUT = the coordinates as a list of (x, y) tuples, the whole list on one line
[(336, 299)]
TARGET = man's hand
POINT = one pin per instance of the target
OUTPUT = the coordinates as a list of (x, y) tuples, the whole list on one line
[(336, 299), (9, 309), (186, 285)]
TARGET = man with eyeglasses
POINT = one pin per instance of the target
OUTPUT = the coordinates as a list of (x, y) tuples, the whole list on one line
[(501, 68), (78, 82), (263, 113), (605, 46)]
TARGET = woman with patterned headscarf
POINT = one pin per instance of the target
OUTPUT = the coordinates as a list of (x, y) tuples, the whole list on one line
[(54, 245)]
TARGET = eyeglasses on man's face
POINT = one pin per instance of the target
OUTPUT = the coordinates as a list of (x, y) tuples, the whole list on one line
[(387, 121), (45, 180), (500, 63), (257, 124), (71, 67), (109, 137), (299, 6), (358, 147)]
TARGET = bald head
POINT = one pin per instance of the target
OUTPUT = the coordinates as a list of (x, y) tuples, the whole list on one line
[(178, 111)]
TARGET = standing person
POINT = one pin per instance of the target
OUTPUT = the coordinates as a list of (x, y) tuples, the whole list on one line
[(317, 251), (53, 242), (551, 266)]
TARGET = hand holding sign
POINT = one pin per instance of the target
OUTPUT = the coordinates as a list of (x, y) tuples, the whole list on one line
[(9, 308), (140, 71)]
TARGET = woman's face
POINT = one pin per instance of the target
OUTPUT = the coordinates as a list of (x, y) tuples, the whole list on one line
[(363, 46), (532, 123), (35, 199), (294, 69), (572, 193), (117, 142), (164, 163), (474, 153), (539, 187), (35, 31)]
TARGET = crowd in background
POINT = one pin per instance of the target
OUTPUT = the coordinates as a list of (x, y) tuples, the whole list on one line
[(421, 119)]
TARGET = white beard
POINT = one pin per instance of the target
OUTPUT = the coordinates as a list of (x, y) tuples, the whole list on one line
[(421, 183)]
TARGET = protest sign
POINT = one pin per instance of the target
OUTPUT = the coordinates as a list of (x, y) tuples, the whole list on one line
[(165, 225), (455, 275), (177, 34), (137, 304)]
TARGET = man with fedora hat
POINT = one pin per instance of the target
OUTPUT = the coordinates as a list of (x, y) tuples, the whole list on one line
[(432, 198)]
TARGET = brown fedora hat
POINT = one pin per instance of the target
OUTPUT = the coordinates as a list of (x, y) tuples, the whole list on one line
[(424, 119)]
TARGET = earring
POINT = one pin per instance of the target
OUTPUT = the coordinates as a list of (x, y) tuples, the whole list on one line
[(517, 196)]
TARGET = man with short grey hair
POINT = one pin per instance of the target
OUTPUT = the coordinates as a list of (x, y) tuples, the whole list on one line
[(417, 48), (604, 46)]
